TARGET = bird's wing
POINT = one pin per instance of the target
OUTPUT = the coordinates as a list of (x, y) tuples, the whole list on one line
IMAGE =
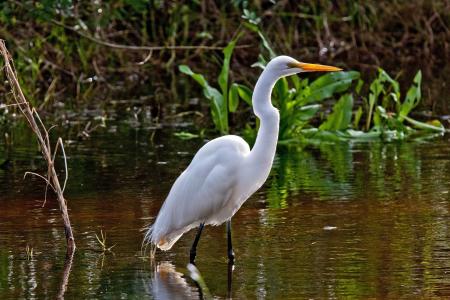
[(202, 189)]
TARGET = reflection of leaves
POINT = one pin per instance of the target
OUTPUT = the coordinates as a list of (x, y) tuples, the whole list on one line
[(331, 171), (300, 170)]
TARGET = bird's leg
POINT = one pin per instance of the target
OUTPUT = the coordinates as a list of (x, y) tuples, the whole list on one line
[(230, 246), (193, 252), (230, 279)]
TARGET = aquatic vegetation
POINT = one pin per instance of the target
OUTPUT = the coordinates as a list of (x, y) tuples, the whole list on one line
[(219, 100), (387, 111), (383, 110), (299, 101), (102, 242)]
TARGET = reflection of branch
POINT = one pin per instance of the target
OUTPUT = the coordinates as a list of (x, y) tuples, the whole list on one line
[(65, 277), (37, 126)]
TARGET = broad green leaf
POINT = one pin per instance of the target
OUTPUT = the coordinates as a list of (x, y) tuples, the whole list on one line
[(384, 77), (358, 116), (197, 77), (413, 97), (379, 116), (359, 86), (233, 97), (238, 91), (218, 108), (223, 76), (296, 82), (435, 125), (305, 113), (218, 105), (327, 85), (245, 93), (341, 116), (281, 91), (372, 101)]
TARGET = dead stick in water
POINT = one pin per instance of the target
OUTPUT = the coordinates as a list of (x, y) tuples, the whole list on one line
[(36, 124)]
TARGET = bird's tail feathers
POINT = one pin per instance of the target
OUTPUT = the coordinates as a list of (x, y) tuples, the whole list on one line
[(164, 242), (147, 241)]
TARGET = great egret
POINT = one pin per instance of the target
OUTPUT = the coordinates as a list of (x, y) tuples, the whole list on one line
[(225, 173)]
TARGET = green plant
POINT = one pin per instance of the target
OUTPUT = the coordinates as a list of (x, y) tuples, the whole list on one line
[(387, 111), (384, 110), (219, 100), (299, 101)]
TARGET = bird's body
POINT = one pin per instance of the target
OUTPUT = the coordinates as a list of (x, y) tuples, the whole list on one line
[(211, 189), (224, 173)]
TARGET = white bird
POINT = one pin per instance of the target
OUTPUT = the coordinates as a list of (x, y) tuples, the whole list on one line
[(225, 173)]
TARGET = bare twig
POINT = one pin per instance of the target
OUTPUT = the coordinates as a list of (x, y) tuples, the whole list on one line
[(9, 105), (140, 48), (60, 143), (40, 176), (39, 129)]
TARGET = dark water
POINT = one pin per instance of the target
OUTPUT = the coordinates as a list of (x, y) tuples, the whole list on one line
[(344, 220)]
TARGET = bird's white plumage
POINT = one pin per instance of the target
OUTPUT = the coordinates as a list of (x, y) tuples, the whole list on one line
[(204, 192), (224, 172)]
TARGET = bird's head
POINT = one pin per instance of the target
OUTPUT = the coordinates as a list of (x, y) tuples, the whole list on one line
[(282, 66)]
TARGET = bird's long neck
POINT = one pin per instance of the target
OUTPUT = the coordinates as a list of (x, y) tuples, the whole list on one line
[(263, 151)]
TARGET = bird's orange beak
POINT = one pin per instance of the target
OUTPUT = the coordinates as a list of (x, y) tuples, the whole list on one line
[(314, 67)]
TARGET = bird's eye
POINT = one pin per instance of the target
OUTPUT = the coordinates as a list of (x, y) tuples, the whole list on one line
[(291, 65)]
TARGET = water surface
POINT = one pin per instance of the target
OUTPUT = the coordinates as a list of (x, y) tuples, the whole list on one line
[(364, 220)]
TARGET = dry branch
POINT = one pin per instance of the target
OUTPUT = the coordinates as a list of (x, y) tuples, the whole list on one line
[(37, 126), (145, 48)]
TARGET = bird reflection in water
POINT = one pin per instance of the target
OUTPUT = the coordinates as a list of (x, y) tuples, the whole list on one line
[(168, 283)]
